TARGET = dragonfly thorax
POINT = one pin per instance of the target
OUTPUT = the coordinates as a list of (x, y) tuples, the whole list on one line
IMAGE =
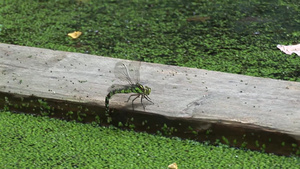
[(146, 90)]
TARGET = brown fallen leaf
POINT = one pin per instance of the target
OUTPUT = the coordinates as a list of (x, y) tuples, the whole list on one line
[(75, 34)]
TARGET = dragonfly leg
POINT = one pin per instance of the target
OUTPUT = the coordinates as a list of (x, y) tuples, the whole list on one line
[(148, 98), (142, 101), (138, 95), (132, 95)]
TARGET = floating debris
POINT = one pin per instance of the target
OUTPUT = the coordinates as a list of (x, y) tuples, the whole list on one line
[(290, 49), (173, 166), (75, 34)]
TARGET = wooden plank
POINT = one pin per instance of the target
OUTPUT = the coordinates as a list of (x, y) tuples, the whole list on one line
[(177, 92)]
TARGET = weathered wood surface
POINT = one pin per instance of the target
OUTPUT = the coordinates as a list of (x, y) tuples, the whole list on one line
[(176, 91)]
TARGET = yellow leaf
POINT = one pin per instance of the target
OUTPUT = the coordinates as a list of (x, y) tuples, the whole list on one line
[(173, 166), (75, 34)]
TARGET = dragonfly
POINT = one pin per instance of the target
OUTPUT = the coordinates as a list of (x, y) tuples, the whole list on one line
[(130, 74)]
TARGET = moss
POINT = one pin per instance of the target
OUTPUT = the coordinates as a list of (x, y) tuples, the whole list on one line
[(184, 33)]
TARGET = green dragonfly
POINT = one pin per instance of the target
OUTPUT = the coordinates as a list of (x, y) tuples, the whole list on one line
[(131, 74)]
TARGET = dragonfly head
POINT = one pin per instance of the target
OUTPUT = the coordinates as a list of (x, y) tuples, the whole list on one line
[(147, 90)]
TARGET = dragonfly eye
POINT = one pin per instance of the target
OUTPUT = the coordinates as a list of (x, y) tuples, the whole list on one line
[(147, 90)]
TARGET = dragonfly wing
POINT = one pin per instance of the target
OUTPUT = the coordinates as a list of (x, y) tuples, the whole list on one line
[(129, 73), (134, 71), (122, 73)]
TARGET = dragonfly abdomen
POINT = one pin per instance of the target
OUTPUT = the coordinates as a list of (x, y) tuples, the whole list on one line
[(134, 89)]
